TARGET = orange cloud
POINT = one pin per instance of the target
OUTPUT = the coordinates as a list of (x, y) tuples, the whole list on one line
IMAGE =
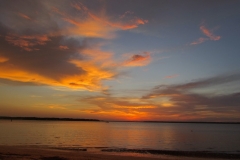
[(138, 60), (27, 42), (67, 70), (89, 28), (91, 80), (96, 25), (24, 16), (99, 57), (126, 26), (209, 34)]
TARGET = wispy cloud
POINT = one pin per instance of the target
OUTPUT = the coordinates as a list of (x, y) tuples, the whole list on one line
[(138, 60), (78, 7), (126, 14), (199, 41), (125, 22), (97, 25), (208, 33), (24, 16)]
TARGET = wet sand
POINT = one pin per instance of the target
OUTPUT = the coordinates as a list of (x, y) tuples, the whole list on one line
[(46, 153)]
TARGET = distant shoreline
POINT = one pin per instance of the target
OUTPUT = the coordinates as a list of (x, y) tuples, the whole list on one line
[(47, 119), (97, 120), (182, 122)]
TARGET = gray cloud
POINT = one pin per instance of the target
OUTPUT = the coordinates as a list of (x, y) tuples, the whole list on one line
[(217, 80), (48, 60), (185, 102)]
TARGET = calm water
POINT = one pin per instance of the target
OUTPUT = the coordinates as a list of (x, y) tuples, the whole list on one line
[(136, 135)]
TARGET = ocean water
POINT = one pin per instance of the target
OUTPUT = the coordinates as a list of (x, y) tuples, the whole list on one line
[(132, 135)]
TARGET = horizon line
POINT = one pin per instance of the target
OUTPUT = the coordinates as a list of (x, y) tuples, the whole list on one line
[(97, 120)]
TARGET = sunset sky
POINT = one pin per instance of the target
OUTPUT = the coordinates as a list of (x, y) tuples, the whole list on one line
[(121, 59)]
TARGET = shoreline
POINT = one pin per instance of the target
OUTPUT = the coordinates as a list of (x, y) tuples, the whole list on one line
[(106, 121), (198, 154), (66, 153)]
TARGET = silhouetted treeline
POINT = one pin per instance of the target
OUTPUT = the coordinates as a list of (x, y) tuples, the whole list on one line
[(47, 119), (181, 122), (191, 122)]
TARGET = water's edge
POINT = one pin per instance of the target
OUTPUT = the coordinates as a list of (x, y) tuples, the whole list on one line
[(200, 154)]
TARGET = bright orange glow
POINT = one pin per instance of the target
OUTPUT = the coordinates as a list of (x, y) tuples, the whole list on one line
[(167, 104), (93, 77), (119, 115), (89, 81)]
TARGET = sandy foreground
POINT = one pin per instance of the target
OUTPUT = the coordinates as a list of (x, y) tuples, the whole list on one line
[(45, 153)]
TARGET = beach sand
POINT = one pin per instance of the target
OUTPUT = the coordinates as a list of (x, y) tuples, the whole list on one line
[(45, 153)]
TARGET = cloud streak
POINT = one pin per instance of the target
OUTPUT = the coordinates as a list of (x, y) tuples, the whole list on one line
[(24, 16), (96, 25), (208, 33)]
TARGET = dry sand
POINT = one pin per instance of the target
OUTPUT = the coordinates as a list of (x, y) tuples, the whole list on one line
[(45, 153)]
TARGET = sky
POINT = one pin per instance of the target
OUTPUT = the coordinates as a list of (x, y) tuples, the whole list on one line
[(130, 60)]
